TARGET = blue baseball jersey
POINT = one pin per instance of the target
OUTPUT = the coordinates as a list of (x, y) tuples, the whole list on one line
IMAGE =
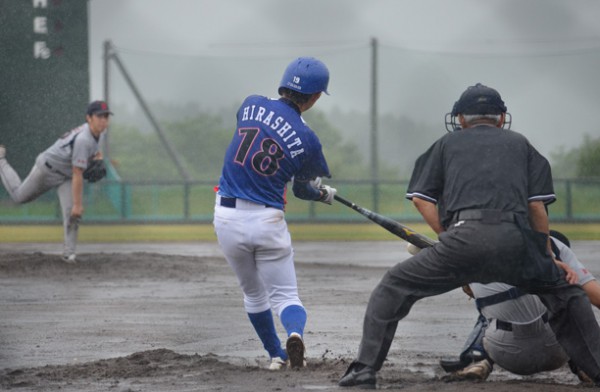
[(271, 145)]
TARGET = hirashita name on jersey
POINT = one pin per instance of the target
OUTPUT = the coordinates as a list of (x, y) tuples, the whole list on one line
[(279, 125)]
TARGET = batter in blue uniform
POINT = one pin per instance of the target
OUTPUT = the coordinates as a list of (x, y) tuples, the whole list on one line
[(271, 147)]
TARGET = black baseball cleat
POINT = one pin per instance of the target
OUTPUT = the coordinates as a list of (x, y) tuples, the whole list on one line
[(453, 365), (295, 350), (465, 359), (359, 375)]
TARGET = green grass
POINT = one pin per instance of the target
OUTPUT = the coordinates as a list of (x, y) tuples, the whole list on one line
[(204, 232)]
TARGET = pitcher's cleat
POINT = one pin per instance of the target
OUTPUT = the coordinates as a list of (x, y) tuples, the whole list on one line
[(2, 152), (70, 259)]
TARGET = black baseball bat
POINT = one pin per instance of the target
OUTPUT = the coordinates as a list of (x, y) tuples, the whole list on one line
[(404, 232)]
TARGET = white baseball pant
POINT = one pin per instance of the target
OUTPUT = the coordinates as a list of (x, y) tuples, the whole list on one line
[(257, 245)]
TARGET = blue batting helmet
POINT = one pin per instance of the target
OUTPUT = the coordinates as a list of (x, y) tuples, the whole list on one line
[(306, 75)]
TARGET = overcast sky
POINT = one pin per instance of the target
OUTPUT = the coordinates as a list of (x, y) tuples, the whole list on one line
[(542, 55)]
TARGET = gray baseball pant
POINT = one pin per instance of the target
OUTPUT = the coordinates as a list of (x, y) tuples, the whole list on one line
[(39, 181), (526, 349)]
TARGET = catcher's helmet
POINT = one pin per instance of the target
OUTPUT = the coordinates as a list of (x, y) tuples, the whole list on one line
[(478, 99), (306, 75)]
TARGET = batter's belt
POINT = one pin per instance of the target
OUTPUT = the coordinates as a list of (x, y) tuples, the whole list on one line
[(234, 202), (52, 169)]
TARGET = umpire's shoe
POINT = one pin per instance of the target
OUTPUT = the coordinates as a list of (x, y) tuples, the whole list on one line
[(359, 375), (295, 351)]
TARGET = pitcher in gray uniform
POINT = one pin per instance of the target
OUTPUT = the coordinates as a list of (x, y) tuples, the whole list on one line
[(61, 166)]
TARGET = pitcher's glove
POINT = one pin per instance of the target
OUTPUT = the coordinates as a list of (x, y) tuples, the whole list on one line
[(95, 171)]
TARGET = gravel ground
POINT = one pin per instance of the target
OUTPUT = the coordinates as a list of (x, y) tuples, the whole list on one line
[(169, 317)]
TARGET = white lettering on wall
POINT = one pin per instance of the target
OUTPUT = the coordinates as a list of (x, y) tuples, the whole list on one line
[(40, 50), (40, 25), (40, 3)]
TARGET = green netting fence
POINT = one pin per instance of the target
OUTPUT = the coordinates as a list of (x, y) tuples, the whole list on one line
[(113, 200)]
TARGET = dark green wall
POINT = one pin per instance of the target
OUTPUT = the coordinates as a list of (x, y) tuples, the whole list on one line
[(43, 94)]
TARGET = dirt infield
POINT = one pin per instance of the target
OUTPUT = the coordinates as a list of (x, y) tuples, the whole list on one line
[(169, 317)]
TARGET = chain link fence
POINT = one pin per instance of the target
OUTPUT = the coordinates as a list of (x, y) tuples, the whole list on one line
[(113, 201)]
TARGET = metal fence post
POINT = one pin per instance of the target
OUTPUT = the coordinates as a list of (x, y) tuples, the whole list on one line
[(186, 200), (374, 141), (569, 206), (123, 200)]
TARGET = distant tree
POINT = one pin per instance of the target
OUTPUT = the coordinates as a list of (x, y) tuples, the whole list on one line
[(588, 161), (400, 140), (201, 141), (343, 158), (200, 138), (139, 155), (564, 162), (579, 162)]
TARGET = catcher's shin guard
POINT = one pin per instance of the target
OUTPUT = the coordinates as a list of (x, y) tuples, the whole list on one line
[(473, 350)]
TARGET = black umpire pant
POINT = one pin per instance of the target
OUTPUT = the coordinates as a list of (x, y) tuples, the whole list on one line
[(474, 251)]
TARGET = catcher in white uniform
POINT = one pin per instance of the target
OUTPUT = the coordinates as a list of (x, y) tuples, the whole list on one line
[(62, 166), (513, 331)]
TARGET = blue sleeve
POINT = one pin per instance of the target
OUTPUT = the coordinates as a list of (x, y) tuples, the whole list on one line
[(315, 164), (303, 190)]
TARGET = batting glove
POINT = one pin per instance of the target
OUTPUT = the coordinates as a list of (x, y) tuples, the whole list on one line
[(412, 249), (327, 194), (316, 183)]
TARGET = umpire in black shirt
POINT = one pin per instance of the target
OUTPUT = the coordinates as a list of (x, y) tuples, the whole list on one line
[(483, 189)]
